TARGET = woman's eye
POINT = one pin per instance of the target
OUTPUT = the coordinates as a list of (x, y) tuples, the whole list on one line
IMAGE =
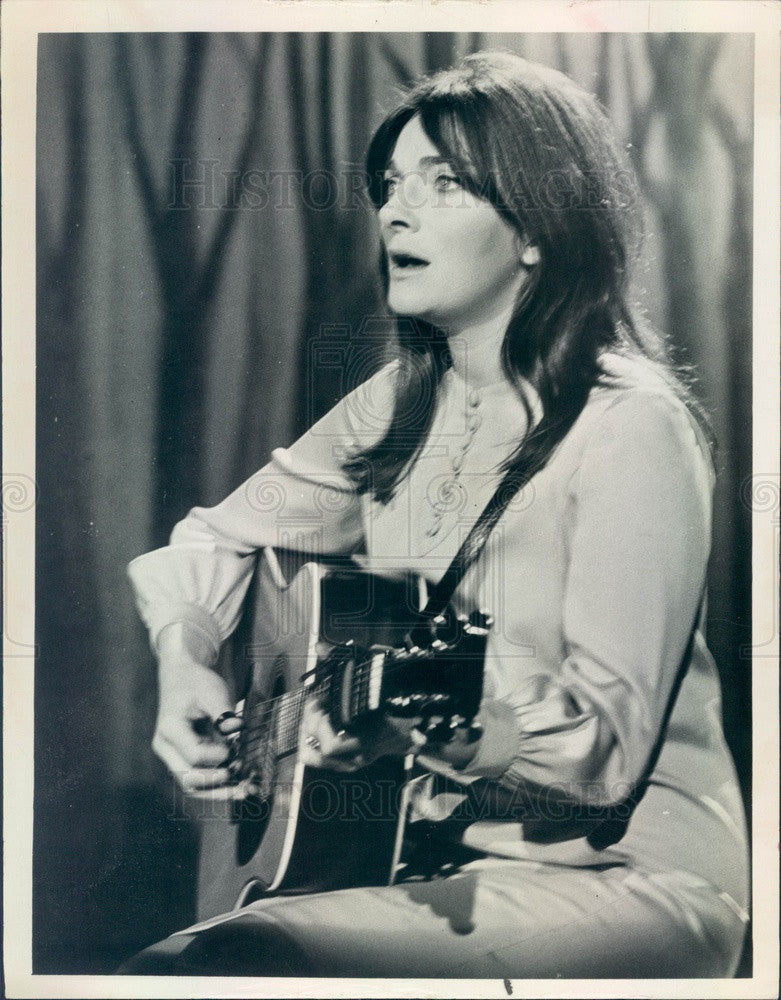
[(389, 185), (446, 182)]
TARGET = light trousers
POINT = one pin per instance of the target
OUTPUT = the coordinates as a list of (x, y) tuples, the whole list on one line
[(490, 918)]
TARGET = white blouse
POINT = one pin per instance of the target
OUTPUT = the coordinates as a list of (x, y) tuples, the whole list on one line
[(594, 574)]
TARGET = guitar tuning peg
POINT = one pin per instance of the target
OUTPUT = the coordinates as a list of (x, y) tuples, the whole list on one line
[(423, 635), (435, 729), (479, 623), (413, 640), (448, 628), (473, 733), (460, 629), (434, 630)]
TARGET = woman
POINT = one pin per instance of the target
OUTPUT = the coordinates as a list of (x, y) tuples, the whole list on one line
[(507, 215)]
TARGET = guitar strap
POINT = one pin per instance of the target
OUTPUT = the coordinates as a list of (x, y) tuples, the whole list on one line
[(471, 547)]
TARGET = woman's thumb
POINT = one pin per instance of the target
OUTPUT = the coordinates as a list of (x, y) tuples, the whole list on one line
[(214, 696)]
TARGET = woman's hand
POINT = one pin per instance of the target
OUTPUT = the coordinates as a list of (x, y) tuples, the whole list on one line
[(191, 697), (322, 746)]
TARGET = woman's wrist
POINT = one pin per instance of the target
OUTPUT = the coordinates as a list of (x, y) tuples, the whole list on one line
[(181, 641)]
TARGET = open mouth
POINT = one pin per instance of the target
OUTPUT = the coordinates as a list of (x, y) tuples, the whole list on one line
[(407, 262)]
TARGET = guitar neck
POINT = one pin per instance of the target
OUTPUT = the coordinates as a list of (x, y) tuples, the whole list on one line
[(356, 683), (353, 683)]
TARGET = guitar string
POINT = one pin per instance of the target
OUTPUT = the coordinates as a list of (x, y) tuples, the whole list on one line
[(289, 707), (289, 712), (286, 711)]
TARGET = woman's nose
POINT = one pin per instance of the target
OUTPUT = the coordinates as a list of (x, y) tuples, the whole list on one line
[(401, 209)]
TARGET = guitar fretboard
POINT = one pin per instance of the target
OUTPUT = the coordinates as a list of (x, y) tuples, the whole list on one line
[(276, 723)]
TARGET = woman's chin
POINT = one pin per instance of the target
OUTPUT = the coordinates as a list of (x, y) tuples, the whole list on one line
[(403, 305)]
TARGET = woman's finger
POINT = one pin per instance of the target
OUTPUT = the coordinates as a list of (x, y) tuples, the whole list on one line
[(220, 793), (227, 723), (195, 751), (190, 778), (320, 746), (338, 745)]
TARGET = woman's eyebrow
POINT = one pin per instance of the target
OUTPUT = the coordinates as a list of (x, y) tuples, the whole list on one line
[(433, 161), (424, 161)]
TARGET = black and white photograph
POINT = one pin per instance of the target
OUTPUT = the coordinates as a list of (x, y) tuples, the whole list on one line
[(392, 499)]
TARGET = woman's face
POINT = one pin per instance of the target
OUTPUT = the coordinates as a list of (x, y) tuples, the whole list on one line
[(452, 259)]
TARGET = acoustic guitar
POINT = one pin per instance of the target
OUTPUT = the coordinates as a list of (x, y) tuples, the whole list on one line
[(357, 642)]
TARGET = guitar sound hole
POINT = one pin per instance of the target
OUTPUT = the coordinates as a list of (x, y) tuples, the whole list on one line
[(251, 824), (280, 663), (258, 753)]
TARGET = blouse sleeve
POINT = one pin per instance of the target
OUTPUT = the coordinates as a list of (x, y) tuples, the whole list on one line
[(639, 545), (301, 499)]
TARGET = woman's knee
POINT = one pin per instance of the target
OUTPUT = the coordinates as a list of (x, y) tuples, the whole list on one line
[(160, 959), (244, 946)]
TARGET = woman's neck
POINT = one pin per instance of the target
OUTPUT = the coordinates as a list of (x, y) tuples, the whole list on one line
[(477, 352)]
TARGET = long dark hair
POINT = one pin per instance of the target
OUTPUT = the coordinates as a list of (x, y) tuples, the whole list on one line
[(542, 152)]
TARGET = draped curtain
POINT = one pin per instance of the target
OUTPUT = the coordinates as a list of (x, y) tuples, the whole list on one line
[(200, 231)]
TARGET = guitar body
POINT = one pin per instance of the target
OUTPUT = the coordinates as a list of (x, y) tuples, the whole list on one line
[(323, 831), (303, 829)]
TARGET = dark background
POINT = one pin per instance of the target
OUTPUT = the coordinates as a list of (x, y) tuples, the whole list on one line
[(174, 331)]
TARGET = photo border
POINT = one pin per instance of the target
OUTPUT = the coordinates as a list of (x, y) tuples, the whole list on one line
[(22, 21)]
